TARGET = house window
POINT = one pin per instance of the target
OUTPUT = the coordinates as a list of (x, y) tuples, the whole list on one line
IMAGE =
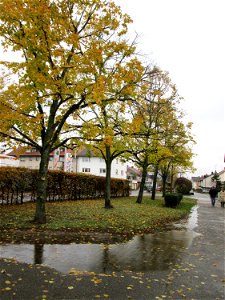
[(117, 172), (86, 159), (22, 159), (122, 172), (117, 161), (86, 170), (102, 171)]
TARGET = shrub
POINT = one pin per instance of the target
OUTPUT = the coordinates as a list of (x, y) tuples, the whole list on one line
[(19, 184), (173, 199), (183, 185)]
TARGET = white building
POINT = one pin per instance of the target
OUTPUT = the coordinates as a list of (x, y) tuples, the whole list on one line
[(8, 161), (206, 182), (80, 161), (87, 162)]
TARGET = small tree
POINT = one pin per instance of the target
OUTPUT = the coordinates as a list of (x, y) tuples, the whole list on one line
[(183, 185)]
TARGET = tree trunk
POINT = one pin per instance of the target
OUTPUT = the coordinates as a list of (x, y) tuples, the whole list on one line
[(108, 179), (40, 214), (142, 185), (164, 177), (171, 180), (154, 182)]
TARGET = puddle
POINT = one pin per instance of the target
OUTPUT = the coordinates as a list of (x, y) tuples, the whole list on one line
[(143, 253)]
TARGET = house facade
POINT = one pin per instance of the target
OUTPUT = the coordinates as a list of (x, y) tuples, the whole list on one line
[(134, 177), (88, 162), (80, 161), (8, 161), (204, 183)]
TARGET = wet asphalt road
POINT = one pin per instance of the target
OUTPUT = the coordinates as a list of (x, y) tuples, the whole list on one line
[(198, 273)]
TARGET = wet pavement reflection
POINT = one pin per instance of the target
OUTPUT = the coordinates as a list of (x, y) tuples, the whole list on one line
[(142, 253)]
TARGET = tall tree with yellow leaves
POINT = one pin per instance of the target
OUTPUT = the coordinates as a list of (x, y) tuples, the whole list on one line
[(178, 141), (158, 100), (62, 44)]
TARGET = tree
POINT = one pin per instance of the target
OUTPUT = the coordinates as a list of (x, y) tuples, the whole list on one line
[(158, 100), (62, 45), (183, 185), (105, 132), (177, 140), (105, 125)]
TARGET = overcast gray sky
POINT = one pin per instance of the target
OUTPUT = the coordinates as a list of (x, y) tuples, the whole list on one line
[(186, 38)]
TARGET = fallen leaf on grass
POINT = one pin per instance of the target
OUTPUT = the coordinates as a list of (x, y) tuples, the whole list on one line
[(6, 289)]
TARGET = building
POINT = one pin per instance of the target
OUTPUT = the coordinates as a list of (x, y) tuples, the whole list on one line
[(134, 176), (8, 161), (196, 183), (204, 183), (88, 162), (78, 161)]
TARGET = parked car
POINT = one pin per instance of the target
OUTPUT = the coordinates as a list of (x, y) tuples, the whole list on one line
[(191, 192)]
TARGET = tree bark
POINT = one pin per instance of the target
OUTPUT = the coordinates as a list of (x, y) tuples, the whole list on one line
[(108, 162), (40, 213), (142, 185), (154, 182), (164, 177)]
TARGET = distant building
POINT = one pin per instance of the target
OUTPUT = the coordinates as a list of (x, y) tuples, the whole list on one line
[(196, 183), (134, 176), (205, 182), (8, 161), (88, 162), (79, 161)]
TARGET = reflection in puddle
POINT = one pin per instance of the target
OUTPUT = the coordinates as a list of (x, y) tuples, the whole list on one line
[(192, 221), (143, 253)]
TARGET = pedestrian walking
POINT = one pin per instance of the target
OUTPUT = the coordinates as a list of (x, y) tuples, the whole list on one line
[(213, 194), (222, 197)]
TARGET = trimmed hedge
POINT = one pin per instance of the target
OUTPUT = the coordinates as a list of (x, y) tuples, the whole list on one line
[(18, 185), (173, 199)]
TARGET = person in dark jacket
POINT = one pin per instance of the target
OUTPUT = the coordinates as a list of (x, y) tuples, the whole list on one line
[(213, 194)]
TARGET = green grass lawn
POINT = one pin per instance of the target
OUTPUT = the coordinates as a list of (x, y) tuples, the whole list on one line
[(127, 217)]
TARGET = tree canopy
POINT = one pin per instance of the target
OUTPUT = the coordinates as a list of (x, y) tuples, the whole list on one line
[(79, 78), (63, 45)]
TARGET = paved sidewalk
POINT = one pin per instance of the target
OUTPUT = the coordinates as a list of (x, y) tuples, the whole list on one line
[(198, 273)]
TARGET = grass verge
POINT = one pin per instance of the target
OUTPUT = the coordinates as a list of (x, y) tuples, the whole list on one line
[(126, 218)]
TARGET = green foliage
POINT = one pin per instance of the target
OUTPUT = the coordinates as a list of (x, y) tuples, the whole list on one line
[(183, 185), (173, 199)]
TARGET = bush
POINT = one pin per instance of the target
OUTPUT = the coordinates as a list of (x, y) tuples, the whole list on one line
[(183, 185), (173, 199)]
